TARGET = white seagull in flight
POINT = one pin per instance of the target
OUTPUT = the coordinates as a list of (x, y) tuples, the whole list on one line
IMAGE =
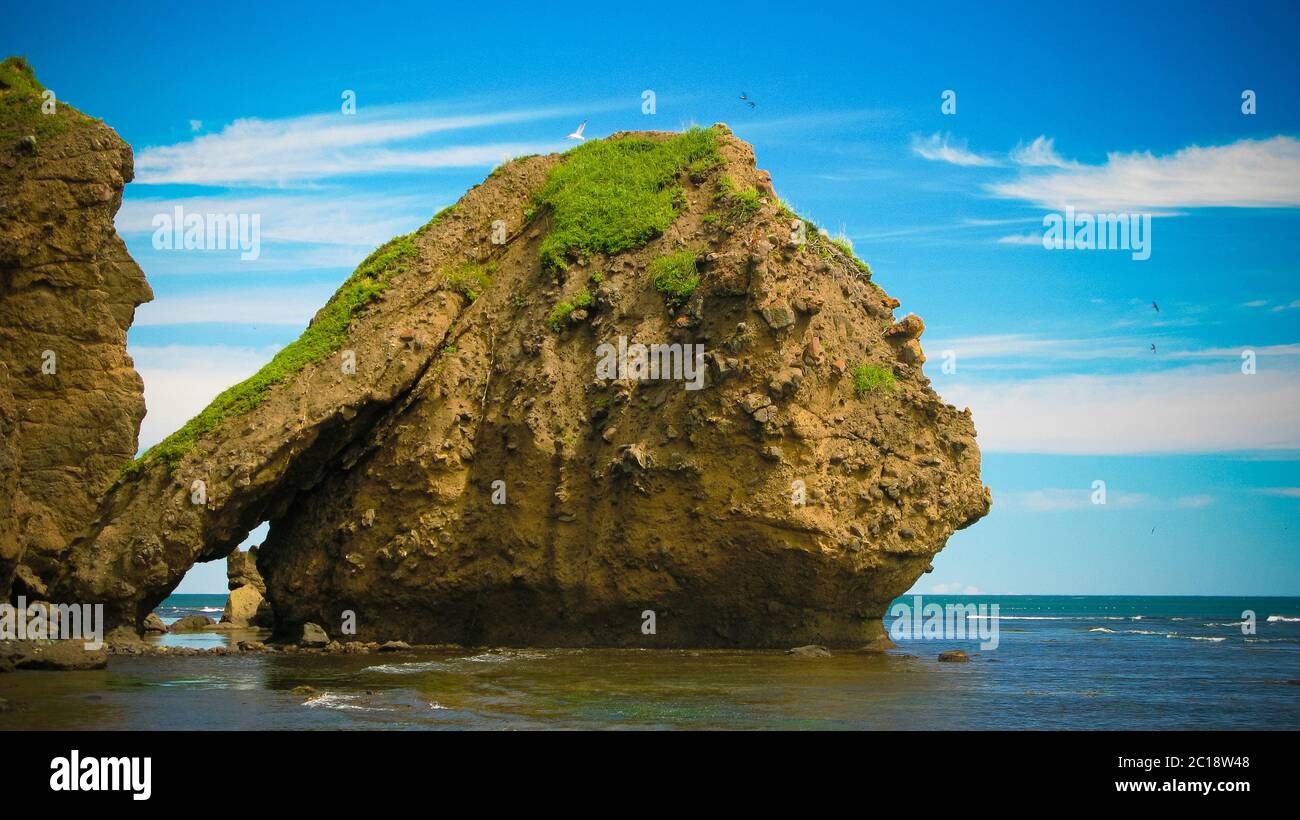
[(577, 135)]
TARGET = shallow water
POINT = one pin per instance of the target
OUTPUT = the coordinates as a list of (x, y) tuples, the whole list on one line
[(1061, 663)]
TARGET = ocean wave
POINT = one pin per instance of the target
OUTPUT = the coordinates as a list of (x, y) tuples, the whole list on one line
[(1178, 635), (411, 668), (331, 700), (1273, 640), (505, 656), (1047, 617), (1288, 619)]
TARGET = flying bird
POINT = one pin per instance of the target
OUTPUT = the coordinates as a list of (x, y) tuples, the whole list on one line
[(1153, 348), (745, 98), (1157, 307), (577, 134)]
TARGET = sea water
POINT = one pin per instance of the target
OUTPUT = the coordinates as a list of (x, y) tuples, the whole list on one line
[(1061, 662)]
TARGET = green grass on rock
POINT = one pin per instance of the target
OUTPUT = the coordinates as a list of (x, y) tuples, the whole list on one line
[(324, 336), (610, 196)]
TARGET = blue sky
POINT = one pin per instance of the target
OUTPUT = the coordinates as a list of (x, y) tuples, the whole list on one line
[(1132, 108)]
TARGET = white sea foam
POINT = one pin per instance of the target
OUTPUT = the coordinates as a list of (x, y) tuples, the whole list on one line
[(1046, 617), (1283, 618), (331, 700), (504, 656), (406, 668)]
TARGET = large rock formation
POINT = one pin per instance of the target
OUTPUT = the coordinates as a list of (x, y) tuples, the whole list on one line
[(440, 458), (70, 400)]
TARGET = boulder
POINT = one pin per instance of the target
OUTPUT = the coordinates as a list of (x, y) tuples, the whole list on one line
[(778, 315), (191, 623), (909, 327), (245, 608), (809, 651), (953, 656), (241, 570), (152, 623), (394, 646), (313, 636), (380, 481), (58, 655)]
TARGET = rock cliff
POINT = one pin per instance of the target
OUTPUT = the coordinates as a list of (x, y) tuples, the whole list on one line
[(441, 456), (70, 399)]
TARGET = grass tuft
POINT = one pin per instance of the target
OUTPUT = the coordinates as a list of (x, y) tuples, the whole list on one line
[(675, 276), (610, 196), (868, 379), (740, 205), (470, 279), (21, 98), (559, 315)]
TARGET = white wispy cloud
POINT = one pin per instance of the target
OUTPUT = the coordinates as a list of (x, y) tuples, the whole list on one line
[(1039, 153), (1192, 409), (1067, 499), (1245, 174), (954, 588), (341, 219), (300, 150), (1021, 239), (1052, 351), (1282, 492), (180, 380), (260, 306), (946, 148)]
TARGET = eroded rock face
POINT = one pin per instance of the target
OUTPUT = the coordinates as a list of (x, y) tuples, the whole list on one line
[(247, 605), (474, 482), (71, 404)]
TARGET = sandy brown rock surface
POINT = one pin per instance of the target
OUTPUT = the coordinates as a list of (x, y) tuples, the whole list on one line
[(70, 399), (809, 482)]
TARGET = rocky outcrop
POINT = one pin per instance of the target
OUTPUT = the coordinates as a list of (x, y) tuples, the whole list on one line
[(55, 655), (241, 570), (70, 400), (247, 605), (450, 465)]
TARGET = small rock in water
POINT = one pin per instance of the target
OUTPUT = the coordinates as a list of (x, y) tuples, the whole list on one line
[(304, 690), (394, 646), (313, 635), (812, 650), (192, 623), (953, 656)]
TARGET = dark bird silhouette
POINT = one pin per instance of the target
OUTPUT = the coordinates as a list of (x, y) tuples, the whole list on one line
[(1157, 307), (1153, 348), (745, 98)]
